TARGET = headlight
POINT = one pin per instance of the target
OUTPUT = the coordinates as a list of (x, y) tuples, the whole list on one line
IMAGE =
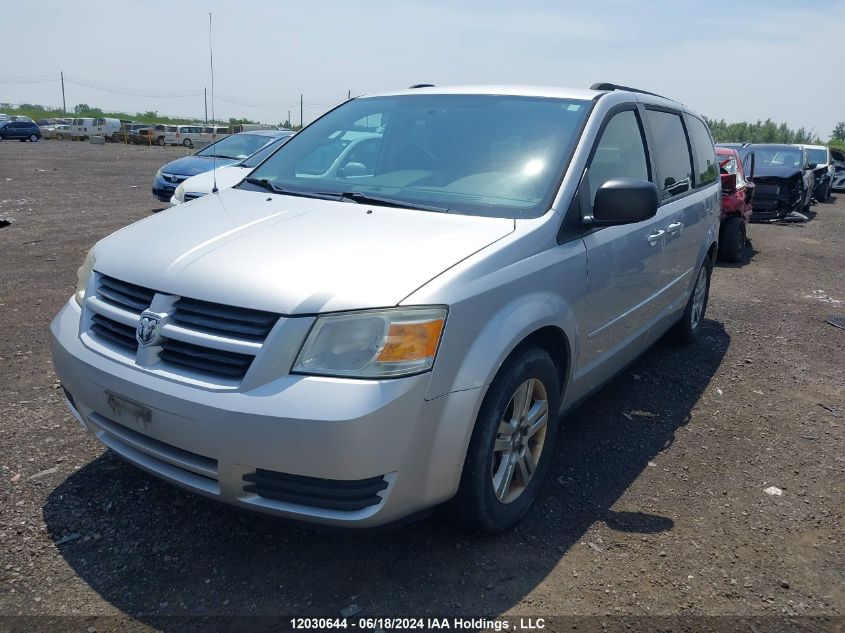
[(179, 194), (158, 175), (82, 276), (372, 343)]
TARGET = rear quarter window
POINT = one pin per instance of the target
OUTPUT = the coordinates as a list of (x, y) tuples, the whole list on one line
[(674, 163), (707, 169)]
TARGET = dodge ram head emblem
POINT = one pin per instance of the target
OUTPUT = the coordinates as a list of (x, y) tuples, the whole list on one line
[(148, 326)]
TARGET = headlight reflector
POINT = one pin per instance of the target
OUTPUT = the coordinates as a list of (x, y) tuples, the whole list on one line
[(82, 275), (372, 343)]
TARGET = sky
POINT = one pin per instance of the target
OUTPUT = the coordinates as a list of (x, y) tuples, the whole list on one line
[(753, 60)]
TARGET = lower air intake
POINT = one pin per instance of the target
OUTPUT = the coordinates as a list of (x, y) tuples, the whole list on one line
[(332, 494)]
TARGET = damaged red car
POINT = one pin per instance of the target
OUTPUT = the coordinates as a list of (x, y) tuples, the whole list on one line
[(737, 193)]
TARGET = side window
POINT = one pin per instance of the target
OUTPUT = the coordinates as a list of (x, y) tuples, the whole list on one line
[(671, 152), (707, 170), (619, 154)]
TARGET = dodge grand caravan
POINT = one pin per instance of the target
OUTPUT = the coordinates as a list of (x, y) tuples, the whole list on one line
[(392, 311)]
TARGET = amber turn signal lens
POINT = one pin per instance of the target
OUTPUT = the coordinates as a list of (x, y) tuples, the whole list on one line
[(411, 341)]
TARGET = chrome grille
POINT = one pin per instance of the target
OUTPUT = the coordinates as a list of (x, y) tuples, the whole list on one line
[(214, 340)]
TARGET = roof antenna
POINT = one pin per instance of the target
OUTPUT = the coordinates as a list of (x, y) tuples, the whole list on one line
[(211, 61)]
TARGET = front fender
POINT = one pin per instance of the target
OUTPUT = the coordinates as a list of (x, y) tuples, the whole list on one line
[(503, 308)]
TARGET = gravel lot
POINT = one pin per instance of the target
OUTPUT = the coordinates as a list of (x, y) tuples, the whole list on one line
[(655, 505)]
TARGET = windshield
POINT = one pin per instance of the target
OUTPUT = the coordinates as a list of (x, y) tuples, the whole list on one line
[(259, 156), (818, 156), (237, 146), (778, 157), (491, 155)]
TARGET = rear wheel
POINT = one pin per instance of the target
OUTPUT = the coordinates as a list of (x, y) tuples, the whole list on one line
[(161, 141), (188, 143), (511, 445), (732, 239), (33, 138), (686, 330), (60, 137)]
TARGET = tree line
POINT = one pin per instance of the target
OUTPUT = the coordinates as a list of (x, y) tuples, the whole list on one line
[(770, 132), (36, 111)]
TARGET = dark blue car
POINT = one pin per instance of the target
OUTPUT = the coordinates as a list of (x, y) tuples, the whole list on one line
[(19, 130), (226, 151)]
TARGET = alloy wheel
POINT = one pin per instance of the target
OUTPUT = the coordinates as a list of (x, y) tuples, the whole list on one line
[(699, 294), (520, 440)]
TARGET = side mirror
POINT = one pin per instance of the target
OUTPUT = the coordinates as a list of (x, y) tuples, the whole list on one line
[(623, 201), (728, 182), (812, 165)]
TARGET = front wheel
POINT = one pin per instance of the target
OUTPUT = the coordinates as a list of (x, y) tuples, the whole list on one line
[(511, 445), (187, 143), (686, 330), (60, 137)]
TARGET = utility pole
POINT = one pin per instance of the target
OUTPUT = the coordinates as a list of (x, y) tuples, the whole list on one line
[(289, 123), (300, 110), (64, 107), (348, 95), (205, 97)]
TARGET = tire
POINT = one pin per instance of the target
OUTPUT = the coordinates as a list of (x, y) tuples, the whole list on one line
[(732, 239), (115, 138), (687, 328), (826, 193), (188, 143), (33, 138), (60, 137), (501, 451), (806, 208), (161, 141)]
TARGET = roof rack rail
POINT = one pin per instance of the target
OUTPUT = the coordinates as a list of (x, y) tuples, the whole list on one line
[(610, 86), (420, 86)]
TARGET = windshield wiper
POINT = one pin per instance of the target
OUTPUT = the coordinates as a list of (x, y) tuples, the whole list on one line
[(364, 198), (269, 186)]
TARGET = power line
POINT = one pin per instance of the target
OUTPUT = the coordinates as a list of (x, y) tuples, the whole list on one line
[(132, 92)]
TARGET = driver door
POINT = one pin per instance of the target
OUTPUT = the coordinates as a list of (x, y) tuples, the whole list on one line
[(624, 263)]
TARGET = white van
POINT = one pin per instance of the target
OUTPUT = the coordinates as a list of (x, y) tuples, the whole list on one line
[(212, 133), (185, 135), (82, 128)]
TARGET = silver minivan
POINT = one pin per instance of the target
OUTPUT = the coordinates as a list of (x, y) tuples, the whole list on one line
[(392, 312)]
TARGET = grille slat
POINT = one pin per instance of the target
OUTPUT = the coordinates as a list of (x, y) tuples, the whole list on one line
[(117, 333), (205, 359), (125, 295), (347, 495)]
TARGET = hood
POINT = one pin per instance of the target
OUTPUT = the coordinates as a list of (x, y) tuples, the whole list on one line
[(774, 171), (227, 177), (190, 165), (292, 255)]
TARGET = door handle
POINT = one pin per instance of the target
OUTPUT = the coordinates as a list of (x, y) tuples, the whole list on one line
[(654, 238), (675, 228)]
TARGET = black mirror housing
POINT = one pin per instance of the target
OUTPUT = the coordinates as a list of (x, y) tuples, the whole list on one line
[(624, 201), (812, 165)]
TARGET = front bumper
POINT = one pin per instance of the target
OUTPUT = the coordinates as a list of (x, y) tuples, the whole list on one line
[(305, 429), (163, 189), (763, 209)]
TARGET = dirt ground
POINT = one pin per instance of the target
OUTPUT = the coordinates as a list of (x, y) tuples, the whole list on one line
[(656, 504)]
